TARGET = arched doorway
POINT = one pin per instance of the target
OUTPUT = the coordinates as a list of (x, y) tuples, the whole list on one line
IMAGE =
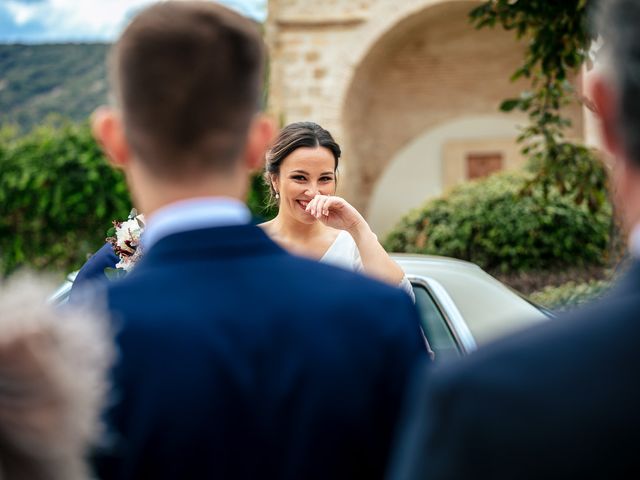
[(437, 160), (430, 71)]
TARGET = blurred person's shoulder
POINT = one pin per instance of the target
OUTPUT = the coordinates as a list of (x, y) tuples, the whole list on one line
[(598, 338)]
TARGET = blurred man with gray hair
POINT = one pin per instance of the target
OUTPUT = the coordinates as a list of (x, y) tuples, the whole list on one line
[(53, 383), (561, 400)]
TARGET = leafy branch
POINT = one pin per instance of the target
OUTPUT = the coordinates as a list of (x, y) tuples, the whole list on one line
[(558, 43)]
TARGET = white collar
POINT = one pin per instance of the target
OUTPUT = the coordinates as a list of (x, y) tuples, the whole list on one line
[(194, 214)]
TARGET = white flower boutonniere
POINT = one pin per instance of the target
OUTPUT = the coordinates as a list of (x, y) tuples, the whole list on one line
[(125, 240)]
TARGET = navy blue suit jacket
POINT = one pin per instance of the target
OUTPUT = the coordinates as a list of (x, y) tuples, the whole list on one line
[(560, 401), (92, 272), (239, 360)]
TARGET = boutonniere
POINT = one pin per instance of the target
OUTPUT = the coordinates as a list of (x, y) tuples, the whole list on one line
[(124, 236)]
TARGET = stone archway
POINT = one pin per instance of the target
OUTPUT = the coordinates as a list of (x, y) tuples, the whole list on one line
[(429, 69), (315, 48)]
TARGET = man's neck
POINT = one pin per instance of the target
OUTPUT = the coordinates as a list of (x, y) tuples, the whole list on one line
[(151, 194)]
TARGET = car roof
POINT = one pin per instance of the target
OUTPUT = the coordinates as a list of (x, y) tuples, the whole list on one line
[(418, 262), (489, 308)]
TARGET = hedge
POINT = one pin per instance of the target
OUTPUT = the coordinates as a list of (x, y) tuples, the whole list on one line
[(570, 295), (491, 223), (58, 197)]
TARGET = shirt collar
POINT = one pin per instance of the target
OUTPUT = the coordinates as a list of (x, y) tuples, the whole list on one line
[(194, 214)]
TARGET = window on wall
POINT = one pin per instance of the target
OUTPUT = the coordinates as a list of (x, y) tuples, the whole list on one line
[(481, 164)]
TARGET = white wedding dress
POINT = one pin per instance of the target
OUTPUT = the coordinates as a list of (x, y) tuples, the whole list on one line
[(344, 253)]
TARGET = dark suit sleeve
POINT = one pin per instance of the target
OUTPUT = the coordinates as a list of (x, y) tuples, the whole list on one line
[(408, 458), (406, 353), (446, 429), (92, 271), (409, 346)]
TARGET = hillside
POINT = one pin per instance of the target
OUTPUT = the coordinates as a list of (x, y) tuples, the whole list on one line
[(40, 80)]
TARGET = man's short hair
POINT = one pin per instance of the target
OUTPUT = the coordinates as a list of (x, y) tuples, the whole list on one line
[(619, 26), (187, 77)]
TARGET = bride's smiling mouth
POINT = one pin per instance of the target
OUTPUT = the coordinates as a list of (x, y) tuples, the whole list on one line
[(303, 206)]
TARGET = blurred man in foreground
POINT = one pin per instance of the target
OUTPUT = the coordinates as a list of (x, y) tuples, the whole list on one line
[(237, 359), (559, 401)]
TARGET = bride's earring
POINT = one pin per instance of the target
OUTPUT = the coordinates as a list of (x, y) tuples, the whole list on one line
[(277, 196)]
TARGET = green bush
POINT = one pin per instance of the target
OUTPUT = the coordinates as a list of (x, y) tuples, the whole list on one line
[(58, 197), (491, 223), (570, 295), (258, 198)]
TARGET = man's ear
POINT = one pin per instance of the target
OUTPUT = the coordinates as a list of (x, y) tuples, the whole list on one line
[(108, 130), (260, 137), (605, 100)]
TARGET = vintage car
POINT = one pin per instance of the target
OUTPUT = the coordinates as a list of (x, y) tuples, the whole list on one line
[(460, 305)]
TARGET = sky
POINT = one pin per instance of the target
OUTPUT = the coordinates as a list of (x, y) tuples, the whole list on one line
[(60, 21)]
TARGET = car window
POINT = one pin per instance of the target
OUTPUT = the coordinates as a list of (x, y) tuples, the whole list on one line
[(435, 326), (489, 308)]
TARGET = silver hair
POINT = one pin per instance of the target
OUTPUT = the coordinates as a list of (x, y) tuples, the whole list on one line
[(618, 24), (53, 368)]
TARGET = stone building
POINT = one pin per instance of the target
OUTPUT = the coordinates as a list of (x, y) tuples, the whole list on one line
[(409, 89)]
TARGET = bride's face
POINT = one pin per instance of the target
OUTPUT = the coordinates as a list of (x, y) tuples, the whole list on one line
[(305, 173)]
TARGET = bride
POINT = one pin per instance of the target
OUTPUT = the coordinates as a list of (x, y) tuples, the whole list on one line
[(301, 173)]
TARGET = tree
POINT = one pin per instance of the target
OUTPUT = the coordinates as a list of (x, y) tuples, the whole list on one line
[(559, 40)]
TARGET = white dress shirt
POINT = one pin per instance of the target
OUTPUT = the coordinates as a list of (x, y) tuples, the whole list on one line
[(194, 214)]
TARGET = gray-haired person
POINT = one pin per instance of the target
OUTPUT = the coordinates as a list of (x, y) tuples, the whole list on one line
[(561, 400), (53, 383)]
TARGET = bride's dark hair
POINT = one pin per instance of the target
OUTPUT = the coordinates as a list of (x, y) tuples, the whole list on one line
[(294, 136)]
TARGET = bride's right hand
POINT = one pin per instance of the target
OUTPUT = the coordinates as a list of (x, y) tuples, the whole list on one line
[(335, 212)]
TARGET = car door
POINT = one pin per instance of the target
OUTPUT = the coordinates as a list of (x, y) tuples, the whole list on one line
[(436, 322)]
